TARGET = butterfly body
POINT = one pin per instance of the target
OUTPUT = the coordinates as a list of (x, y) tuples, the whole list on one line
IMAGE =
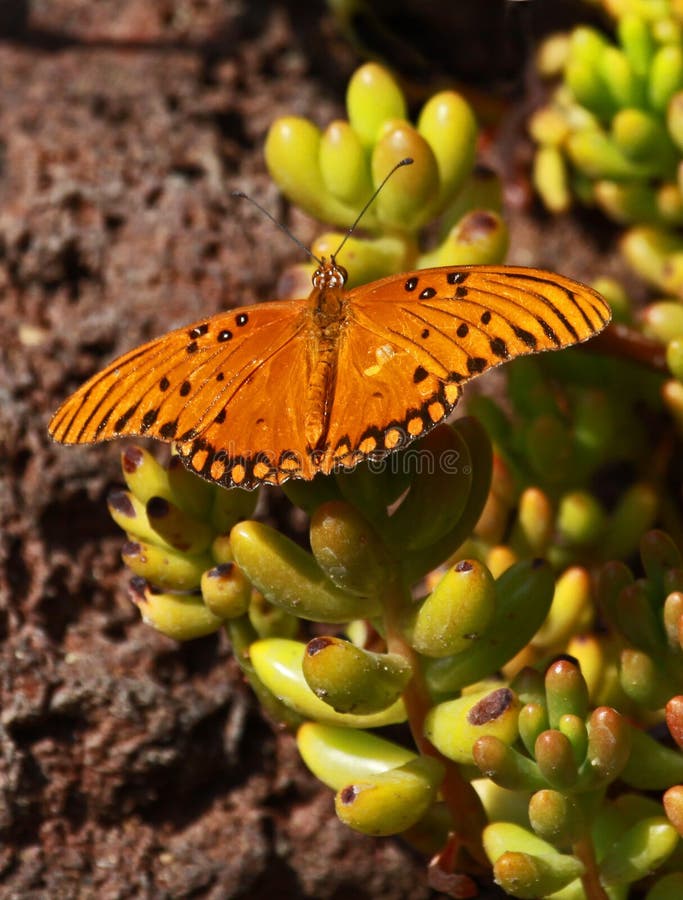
[(294, 388), (328, 314)]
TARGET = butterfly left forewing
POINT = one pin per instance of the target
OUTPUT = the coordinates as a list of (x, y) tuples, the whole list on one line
[(529, 309), (414, 339)]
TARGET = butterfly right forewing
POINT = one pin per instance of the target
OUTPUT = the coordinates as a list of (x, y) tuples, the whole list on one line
[(228, 389)]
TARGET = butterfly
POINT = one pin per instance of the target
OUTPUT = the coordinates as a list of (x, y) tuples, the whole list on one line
[(293, 388)]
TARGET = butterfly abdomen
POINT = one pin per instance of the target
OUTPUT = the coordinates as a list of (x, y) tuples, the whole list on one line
[(326, 328)]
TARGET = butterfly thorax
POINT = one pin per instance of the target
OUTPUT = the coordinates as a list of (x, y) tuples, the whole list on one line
[(327, 305), (327, 296)]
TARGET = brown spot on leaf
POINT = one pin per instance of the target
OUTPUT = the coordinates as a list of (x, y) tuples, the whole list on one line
[(490, 707), (222, 571), (348, 794), (121, 502), (477, 225), (131, 459), (131, 548), (318, 644)]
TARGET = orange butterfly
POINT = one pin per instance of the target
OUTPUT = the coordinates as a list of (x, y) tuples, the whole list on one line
[(291, 388)]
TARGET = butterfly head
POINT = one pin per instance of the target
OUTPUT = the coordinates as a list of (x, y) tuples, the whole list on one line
[(329, 274)]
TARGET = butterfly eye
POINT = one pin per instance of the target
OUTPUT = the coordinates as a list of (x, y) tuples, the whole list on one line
[(330, 275)]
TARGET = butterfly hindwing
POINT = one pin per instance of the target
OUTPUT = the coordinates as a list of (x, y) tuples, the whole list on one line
[(405, 392), (257, 433)]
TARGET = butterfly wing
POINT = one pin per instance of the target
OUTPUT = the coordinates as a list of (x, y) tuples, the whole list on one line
[(414, 339), (233, 391), (229, 390)]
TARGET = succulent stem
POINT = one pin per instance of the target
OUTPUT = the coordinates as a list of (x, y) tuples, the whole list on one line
[(584, 850), (464, 805)]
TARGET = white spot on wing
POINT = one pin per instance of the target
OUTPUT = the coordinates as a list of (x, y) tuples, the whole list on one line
[(383, 355)]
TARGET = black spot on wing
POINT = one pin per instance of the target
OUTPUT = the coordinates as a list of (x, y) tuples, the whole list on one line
[(526, 337), (456, 277), (148, 420), (102, 423), (565, 321), (123, 420), (476, 364), (168, 430), (499, 348), (572, 296)]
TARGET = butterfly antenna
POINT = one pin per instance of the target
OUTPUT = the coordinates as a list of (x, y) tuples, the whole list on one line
[(242, 196), (399, 165)]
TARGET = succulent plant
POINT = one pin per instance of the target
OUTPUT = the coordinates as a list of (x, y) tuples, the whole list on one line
[(330, 174), (612, 134), (486, 608)]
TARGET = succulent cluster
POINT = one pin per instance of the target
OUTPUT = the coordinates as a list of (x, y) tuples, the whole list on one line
[(661, 321), (612, 136), (657, 331), (655, 10), (612, 133), (331, 174), (475, 589), (533, 753), (175, 525)]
